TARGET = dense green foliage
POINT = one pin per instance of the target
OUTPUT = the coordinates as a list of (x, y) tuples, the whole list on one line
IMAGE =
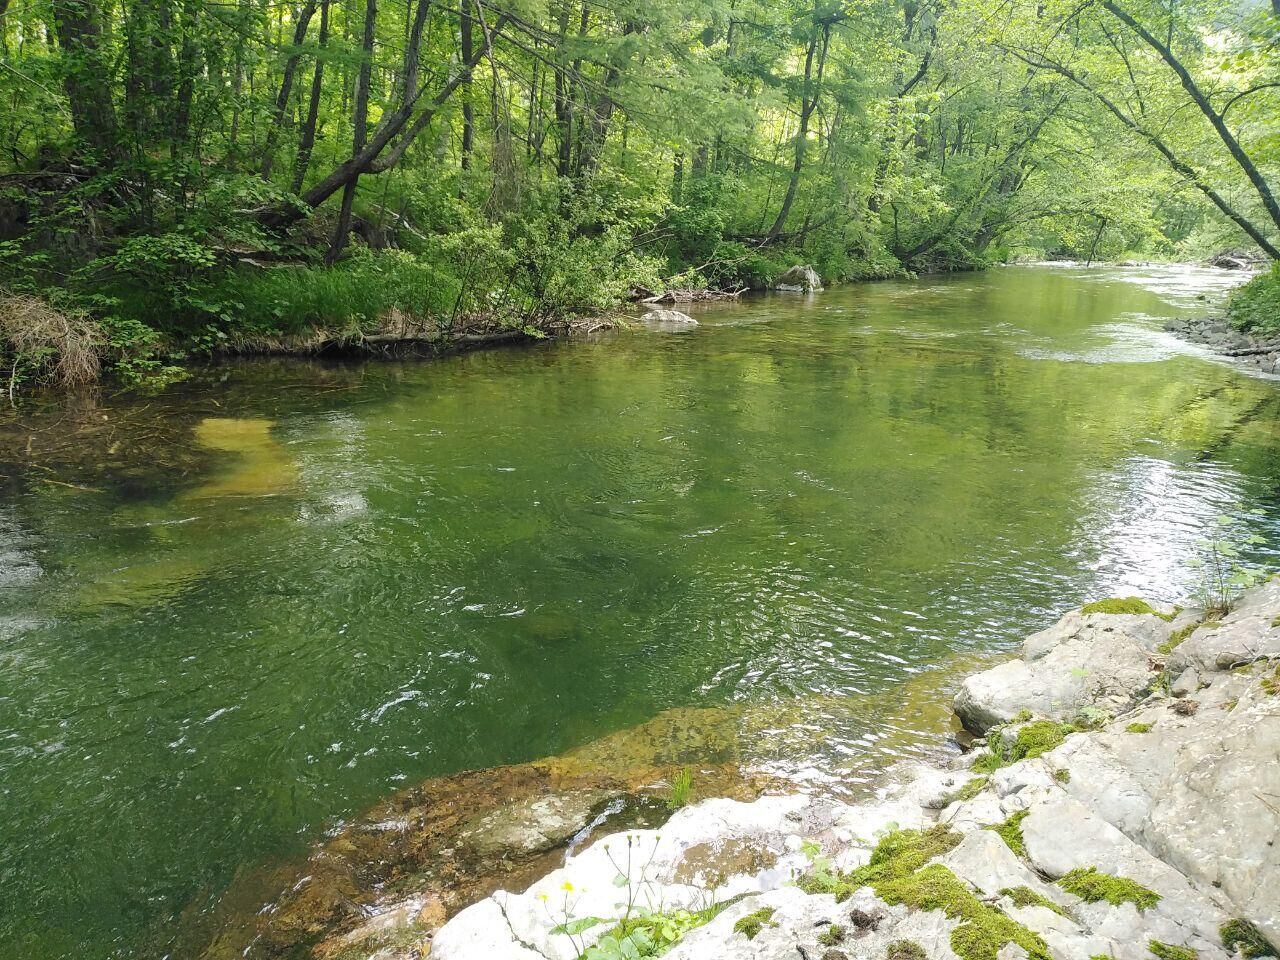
[(192, 174), (1255, 307)]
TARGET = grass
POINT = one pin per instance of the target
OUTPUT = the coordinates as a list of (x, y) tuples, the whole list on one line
[(39, 341), (1255, 307), (1271, 684), (1092, 886), (681, 789), (832, 935)]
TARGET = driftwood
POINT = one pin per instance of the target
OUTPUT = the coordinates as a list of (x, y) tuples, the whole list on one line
[(691, 296)]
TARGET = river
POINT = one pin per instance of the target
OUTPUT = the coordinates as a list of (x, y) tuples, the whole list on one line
[(237, 613)]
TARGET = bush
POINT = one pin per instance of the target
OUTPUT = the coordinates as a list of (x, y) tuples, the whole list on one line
[(1255, 307)]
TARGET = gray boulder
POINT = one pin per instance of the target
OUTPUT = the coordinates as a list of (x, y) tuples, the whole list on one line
[(668, 320), (802, 278), (1096, 660)]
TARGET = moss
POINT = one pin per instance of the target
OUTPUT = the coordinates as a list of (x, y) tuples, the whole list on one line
[(1038, 738), (900, 873), (1129, 606), (1063, 775), (1271, 684), (969, 790), (1022, 716), (1276, 622), (751, 925), (1032, 740), (1091, 718), (832, 935), (1177, 637), (1166, 951), (983, 929), (1026, 897), (1242, 934), (905, 950), (1138, 727), (1011, 832), (1091, 886)]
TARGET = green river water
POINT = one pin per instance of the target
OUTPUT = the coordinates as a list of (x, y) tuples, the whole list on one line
[(317, 584)]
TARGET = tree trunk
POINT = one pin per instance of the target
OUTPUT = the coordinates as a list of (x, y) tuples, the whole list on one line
[(286, 86), (360, 128), (85, 78), (808, 103), (468, 112), (307, 141)]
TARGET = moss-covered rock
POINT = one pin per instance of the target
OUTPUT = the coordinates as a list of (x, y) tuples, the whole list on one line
[(1167, 951), (1092, 886), (1129, 606), (1026, 897), (1011, 833), (900, 874), (751, 925), (1242, 936)]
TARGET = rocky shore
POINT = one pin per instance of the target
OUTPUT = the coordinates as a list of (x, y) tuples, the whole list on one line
[(1121, 798), (1220, 337), (1124, 802)]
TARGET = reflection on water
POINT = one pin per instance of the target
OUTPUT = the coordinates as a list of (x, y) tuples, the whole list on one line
[(257, 607)]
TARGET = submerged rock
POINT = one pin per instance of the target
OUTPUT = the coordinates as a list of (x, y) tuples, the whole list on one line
[(802, 278)]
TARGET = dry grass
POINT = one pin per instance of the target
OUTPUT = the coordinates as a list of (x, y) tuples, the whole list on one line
[(43, 342)]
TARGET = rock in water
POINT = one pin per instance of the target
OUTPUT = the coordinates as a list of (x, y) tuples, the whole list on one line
[(800, 278), (668, 320)]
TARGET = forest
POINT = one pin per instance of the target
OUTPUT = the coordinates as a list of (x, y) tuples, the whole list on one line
[(186, 177)]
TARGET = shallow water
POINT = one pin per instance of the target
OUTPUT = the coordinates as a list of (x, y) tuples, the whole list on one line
[(320, 584)]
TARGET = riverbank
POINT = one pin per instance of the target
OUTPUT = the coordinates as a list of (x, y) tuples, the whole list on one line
[(1124, 802), (1261, 351)]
